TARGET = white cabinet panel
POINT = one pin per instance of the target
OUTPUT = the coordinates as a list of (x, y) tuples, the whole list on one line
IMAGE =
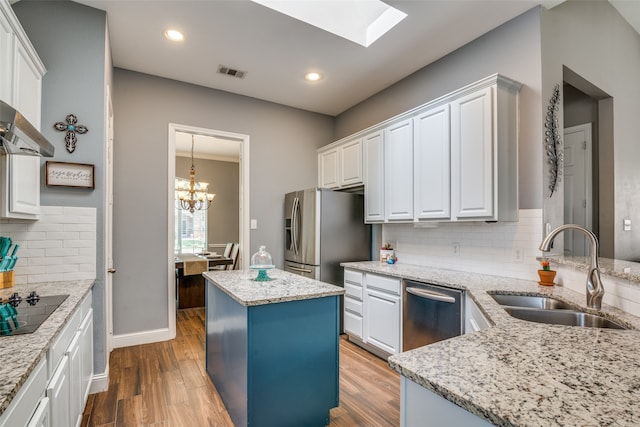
[(75, 381), (398, 171), (86, 351), (353, 324), (382, 320), (474, 320), (472, 154), (328, 169), (58, 394), (19, 186), (41, 415), (7, 56), (374, 191), (431, 145), (22, 406), (350, 163), (28, 87)]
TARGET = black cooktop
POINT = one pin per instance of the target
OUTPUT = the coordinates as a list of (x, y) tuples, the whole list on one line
[(23, 315)]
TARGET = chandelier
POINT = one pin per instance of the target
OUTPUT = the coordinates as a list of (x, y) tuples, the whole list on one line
[(193, 195)]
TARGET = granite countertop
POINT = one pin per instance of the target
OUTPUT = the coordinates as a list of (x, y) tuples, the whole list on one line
[(241, 286), (520, 373), (20, 354)]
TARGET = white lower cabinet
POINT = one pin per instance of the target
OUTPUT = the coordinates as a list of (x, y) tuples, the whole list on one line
[(382, 320), (86, 353), (41, 417), (58, 392), (21, 408), (474, 320), (353, 303), (420, 407)]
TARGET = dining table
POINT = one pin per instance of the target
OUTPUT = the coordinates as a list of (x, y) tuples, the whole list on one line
[(190, 284)]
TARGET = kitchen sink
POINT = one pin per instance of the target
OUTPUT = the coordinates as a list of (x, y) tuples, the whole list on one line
[(562, 317), (531, 301)]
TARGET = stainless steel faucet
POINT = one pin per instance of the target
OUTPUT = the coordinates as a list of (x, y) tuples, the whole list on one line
[(595, 290)]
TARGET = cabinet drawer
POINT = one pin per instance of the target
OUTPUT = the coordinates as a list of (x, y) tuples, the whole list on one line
[(354, 277), (383, 283), (353, 306), (59, 347), (353, 324), (353, 291)]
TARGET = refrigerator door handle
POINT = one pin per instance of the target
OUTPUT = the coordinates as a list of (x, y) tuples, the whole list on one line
[(294, 225), (301, 270)]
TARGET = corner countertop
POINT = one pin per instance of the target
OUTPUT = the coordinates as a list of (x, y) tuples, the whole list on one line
[(520, 373), (243, 288), (20, 354)]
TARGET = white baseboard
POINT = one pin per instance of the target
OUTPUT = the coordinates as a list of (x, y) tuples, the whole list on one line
[(137, 338), (100, 382)]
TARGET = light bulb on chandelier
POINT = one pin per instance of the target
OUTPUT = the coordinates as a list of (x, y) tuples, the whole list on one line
[(193, 195)]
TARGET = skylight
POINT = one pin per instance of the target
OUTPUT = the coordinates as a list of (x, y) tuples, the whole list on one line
[(360, 21)]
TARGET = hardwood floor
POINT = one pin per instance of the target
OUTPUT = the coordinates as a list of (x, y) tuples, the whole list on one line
[(166, 384)]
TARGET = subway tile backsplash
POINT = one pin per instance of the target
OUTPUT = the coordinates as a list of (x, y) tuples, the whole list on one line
[(502, 248), (60, 246)]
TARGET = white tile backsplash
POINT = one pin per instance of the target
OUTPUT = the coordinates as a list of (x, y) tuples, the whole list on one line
[(506, 248), (60, 246)]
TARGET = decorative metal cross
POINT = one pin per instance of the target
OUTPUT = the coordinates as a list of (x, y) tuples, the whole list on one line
[(71, 128)]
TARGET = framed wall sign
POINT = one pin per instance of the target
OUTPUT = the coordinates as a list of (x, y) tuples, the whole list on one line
[(63, 174)]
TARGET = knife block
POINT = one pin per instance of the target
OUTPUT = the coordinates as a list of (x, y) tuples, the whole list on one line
[(7, 279)]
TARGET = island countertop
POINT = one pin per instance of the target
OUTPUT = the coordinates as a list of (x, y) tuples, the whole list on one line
[(520, 373), (20, 354), (244, 289)]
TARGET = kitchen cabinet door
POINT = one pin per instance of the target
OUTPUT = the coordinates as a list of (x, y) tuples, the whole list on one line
[(350, 158), (473, 155), (86, 351), (76, 404), (374, 174), (7, 54), (58, 394), (328, 169), (398, 171), (382, 320), (431, 145), (474, 320), (41, 415), (28, 86), (20, 186)]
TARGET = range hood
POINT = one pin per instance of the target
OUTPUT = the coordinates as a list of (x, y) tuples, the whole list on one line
[(18, 136)]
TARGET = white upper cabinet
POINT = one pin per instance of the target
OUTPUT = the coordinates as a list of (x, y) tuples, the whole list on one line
[(398, 171), (21, 70), (472, 155), (431, 155), (340, 165), (452, 159), (19, 186), (374, 177)]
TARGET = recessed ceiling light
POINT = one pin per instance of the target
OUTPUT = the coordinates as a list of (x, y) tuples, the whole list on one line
[(174, 35), (361, 21), (313, 76)]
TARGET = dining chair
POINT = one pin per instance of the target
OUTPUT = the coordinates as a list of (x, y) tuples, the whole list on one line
[(234, 256), (227, 254)]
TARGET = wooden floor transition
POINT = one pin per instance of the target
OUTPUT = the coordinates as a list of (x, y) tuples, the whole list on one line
[(165, 384)]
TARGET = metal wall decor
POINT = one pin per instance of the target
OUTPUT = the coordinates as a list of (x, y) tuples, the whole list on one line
[(552, 141), (71, 127)]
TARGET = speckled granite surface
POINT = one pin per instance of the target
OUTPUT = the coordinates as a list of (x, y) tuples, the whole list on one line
[(520, 373), (612, 267), (241, 286), (20, 354)]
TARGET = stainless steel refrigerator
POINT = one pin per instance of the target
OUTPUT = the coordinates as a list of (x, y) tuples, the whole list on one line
[(322, 229)]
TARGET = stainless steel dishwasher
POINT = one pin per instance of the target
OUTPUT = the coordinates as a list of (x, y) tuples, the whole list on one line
[(430, 313)]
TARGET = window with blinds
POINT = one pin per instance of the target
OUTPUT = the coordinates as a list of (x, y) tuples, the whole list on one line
[(191, 230)]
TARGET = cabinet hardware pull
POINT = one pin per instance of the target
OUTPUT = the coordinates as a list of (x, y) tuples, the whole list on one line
[(436, 296)]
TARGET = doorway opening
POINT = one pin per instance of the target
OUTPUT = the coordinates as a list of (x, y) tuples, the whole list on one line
[(588, 168), (221, 159)]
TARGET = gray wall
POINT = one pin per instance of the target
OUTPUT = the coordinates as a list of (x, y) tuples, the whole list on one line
[(283, 141), (70, 40), (513, 50), (223, 178), (594, 41)]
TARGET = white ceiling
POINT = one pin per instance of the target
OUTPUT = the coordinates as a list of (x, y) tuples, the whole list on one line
[(277, 50), (207, 147)]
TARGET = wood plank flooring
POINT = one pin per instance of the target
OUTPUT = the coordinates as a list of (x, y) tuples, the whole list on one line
[(166, 384)]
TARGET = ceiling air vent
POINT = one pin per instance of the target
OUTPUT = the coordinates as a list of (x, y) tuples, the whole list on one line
[(231, 72)]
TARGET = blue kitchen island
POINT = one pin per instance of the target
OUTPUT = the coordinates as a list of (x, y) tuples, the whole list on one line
[(272, 348)]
